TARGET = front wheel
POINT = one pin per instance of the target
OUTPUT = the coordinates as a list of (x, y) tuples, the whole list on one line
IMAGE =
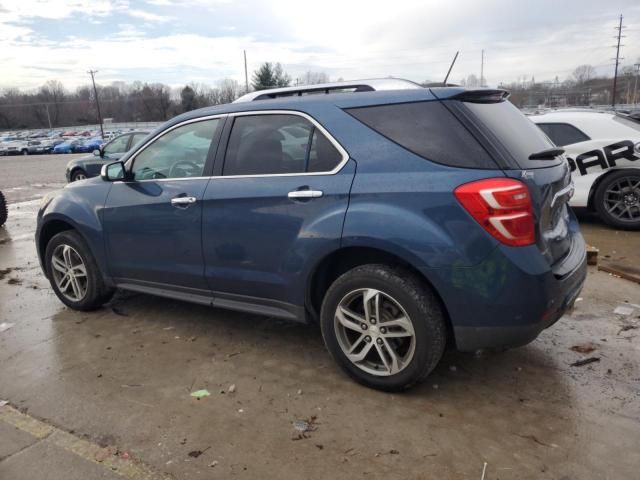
[(25, 152), (617, 199), (78, 174), (73, 272), (383, 326)]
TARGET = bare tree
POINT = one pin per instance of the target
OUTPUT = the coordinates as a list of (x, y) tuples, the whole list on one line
[(313, 78), (229, 90), (583, 73)]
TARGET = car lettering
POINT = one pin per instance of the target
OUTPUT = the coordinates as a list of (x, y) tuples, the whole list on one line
[(595, 158)]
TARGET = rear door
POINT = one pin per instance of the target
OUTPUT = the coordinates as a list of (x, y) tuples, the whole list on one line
[(513, 138), (276, 203)]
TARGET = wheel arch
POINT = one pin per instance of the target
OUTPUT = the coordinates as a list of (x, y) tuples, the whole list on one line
[(54, 226), (334, 264)]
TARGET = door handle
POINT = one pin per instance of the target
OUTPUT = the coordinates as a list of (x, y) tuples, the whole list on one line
[(305, 194), (183, 201)]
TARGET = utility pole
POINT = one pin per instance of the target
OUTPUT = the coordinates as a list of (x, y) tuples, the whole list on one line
[(635, 87), (482, 69), (615, 75), (95, 93), (246, 76)]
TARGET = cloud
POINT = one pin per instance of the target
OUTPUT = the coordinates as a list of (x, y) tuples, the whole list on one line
[(148, 16), (177, 41)]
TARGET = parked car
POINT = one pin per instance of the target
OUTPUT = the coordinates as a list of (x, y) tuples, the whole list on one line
[(3, 209), (417, 218), (603, 150), (88, 145), (68, 146), (14, 147), (89, 166), (41, 146)]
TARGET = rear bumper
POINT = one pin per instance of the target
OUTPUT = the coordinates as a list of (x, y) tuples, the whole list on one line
[(508, 299)]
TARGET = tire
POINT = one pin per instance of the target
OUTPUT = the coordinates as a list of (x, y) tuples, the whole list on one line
[(402, 295), (617, 199), (25, 152), (4, 212), (78, 174), (96, 292)]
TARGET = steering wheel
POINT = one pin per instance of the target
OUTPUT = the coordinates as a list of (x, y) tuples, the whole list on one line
[(181, 166)]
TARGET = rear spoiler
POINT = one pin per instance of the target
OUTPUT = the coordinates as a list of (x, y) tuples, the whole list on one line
[(485, 95)]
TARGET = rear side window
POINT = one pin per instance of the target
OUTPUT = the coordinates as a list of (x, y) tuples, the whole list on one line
[(427, 129), (278, 144), (563, 134), (519, 136)]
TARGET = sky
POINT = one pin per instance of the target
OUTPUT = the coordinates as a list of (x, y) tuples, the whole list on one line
[(201, 41)]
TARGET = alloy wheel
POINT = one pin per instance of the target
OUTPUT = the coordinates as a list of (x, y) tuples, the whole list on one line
[(622, 199), (69, 272), (374, 332)]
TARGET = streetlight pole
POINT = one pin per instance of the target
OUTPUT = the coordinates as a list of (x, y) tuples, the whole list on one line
[(95, 93)]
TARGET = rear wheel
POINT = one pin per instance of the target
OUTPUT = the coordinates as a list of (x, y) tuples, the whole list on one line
[(617, 199), (74, 273), (383, 326), (3, 209), (78, 174)]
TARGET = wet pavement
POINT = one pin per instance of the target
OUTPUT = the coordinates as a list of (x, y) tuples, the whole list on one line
[(121, 377)]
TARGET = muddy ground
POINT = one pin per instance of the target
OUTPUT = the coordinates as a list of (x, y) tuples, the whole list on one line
[(123, 375)]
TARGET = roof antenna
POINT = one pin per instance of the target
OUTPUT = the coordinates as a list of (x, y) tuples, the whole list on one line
[(444, 84)]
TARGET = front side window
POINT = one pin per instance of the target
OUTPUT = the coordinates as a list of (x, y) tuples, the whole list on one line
[(278, 144), (563, 134), (117, 145), (180, 153)]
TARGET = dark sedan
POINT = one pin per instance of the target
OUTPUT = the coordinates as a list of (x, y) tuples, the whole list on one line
[(90, 165)]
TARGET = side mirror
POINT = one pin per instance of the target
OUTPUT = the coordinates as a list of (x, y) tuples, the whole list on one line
[(97, 152), (113, 171)]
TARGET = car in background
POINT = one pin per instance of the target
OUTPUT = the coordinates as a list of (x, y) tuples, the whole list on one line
[(68, 146), (603, 151), (89, 166), (411, 222), (89, 145), (14, 147)]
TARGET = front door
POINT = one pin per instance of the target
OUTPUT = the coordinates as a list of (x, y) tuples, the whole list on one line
[(279, 202), (153, 220)]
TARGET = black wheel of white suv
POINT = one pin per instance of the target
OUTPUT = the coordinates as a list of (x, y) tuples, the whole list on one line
[(617, 199), (4, 212), (383, 326), (73, 272)]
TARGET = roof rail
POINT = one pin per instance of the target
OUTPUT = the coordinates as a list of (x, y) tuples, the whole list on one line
[(354, 85)]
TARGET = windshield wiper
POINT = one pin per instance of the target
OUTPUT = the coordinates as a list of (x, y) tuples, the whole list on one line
[(548, 154)]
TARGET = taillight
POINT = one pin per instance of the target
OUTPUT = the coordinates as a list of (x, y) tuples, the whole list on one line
[(502, 206)]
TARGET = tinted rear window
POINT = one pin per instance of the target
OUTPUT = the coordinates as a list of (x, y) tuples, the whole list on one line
[(427, 129), (517, 134)]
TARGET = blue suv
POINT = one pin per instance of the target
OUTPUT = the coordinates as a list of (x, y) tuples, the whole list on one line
[(401, 220)]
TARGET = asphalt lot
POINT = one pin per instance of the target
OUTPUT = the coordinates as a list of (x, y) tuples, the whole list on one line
[(88, 390)]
